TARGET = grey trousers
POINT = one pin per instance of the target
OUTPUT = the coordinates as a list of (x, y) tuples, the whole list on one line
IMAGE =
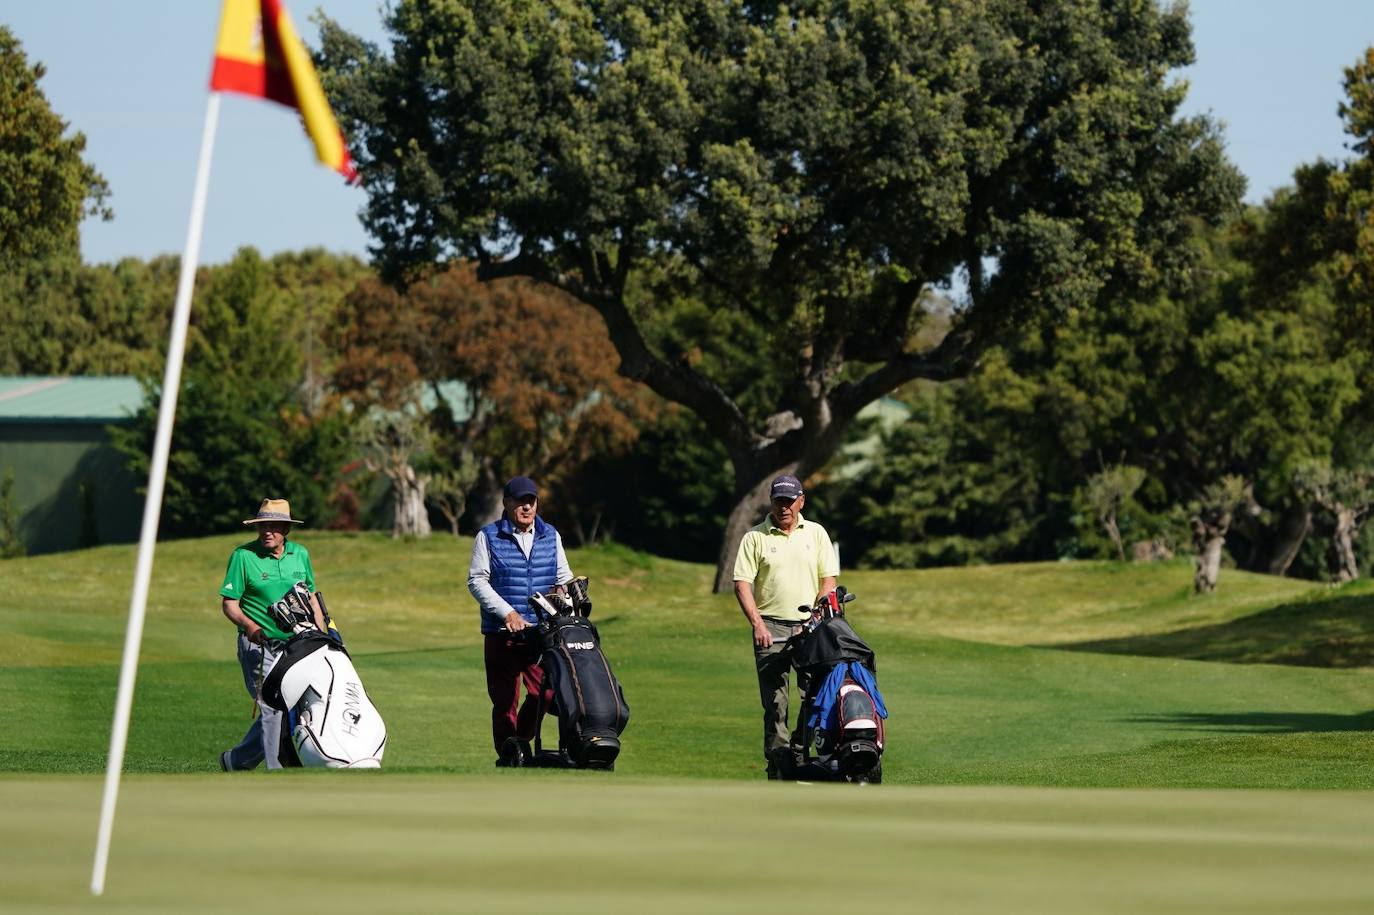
[(773, 668), (264, 736)]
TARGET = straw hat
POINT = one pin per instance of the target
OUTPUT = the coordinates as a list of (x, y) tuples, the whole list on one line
[(273, 510)]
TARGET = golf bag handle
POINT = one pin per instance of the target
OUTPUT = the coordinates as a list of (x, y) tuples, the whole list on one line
[(827, 607)]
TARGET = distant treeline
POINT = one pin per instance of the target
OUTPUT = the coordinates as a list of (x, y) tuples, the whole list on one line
[(722, 243), (307, 377), (1111, 433)]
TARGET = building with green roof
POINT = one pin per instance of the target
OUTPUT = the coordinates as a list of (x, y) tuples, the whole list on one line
[(71, 488)]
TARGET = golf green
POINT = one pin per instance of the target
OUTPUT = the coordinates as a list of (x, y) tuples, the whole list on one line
[(583, 842)]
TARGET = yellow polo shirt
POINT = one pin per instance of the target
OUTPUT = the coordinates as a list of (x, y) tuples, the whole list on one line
[(785, 570)]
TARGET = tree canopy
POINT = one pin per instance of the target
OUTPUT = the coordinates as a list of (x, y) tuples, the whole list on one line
[(46, 187), (1236, 377), (249, 425), (62, 317), (816, 167), (540, 393)]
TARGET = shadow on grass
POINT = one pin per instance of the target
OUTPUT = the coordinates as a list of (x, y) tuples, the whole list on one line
[(1334, 632), (1262, 722)]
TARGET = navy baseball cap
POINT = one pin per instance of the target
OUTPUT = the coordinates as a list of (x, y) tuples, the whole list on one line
[(519, 487), (785, 487)]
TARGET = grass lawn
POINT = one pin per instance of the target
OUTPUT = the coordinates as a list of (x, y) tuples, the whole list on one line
[(1012, 689), (583, 842)]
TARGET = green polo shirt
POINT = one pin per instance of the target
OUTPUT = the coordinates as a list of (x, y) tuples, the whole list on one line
[(257, 579), (785, 570)]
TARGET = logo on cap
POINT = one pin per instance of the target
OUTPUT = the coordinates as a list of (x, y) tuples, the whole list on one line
[(785, 487)]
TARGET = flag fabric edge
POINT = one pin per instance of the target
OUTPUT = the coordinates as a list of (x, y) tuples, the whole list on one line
[(259, 54)]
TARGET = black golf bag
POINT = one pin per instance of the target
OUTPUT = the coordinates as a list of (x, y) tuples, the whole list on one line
[(587, 697), (841, 716), (333, 722)]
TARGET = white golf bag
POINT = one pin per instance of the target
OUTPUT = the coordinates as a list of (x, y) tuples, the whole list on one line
[(335, 724)]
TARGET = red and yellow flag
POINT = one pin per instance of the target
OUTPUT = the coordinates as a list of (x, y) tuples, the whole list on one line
[(258, 53)]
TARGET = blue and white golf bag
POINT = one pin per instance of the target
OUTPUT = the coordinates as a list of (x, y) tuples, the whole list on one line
[(841, 717)]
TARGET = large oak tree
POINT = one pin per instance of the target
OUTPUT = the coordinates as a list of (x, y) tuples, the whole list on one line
[(815, 167)]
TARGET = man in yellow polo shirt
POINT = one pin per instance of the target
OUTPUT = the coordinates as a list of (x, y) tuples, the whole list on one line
[(783, 565)]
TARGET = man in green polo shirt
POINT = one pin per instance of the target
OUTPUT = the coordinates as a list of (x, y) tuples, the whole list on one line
[(259, 574), (783, 565)]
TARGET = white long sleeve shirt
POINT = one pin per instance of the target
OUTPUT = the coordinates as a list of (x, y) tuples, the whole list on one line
[(479, 573)]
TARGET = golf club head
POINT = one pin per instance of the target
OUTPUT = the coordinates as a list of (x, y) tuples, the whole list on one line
[(541, 606)]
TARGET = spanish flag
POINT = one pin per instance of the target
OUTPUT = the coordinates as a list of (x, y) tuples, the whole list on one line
[(258, 53)]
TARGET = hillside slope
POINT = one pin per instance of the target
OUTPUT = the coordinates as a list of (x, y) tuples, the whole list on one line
[(977, 692)]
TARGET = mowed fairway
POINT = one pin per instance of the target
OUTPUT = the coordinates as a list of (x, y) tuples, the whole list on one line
[(1057, 736)]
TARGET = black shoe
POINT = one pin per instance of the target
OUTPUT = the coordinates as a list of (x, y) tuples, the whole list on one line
[(782, 763), (771, 772), (514, 753)]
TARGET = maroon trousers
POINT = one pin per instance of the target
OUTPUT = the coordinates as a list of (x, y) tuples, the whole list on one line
[(510, 663)]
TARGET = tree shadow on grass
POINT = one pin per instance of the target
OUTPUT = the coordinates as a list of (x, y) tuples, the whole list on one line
[(1262, 722), (1333, 632)]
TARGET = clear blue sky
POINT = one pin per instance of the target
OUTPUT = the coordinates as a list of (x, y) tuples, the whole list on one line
[(132, 76)]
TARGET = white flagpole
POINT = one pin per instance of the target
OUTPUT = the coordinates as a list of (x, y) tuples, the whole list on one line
[(152, 506)]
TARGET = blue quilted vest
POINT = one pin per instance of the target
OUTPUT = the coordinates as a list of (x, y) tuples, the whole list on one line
[(513, 576)]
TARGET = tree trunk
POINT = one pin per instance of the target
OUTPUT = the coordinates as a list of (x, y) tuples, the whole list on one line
[(1345, 565), (452, 520), (748, 511), (1114, 533), (486, 498), (1293, 530), (1209, 536), (1208, 565), (410, 518)]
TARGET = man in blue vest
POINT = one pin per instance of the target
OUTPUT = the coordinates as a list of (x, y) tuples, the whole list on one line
[(512, 558)]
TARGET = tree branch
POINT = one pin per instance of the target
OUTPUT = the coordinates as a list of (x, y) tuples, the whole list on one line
[(952, 358), (536, 268), (677, 382)]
